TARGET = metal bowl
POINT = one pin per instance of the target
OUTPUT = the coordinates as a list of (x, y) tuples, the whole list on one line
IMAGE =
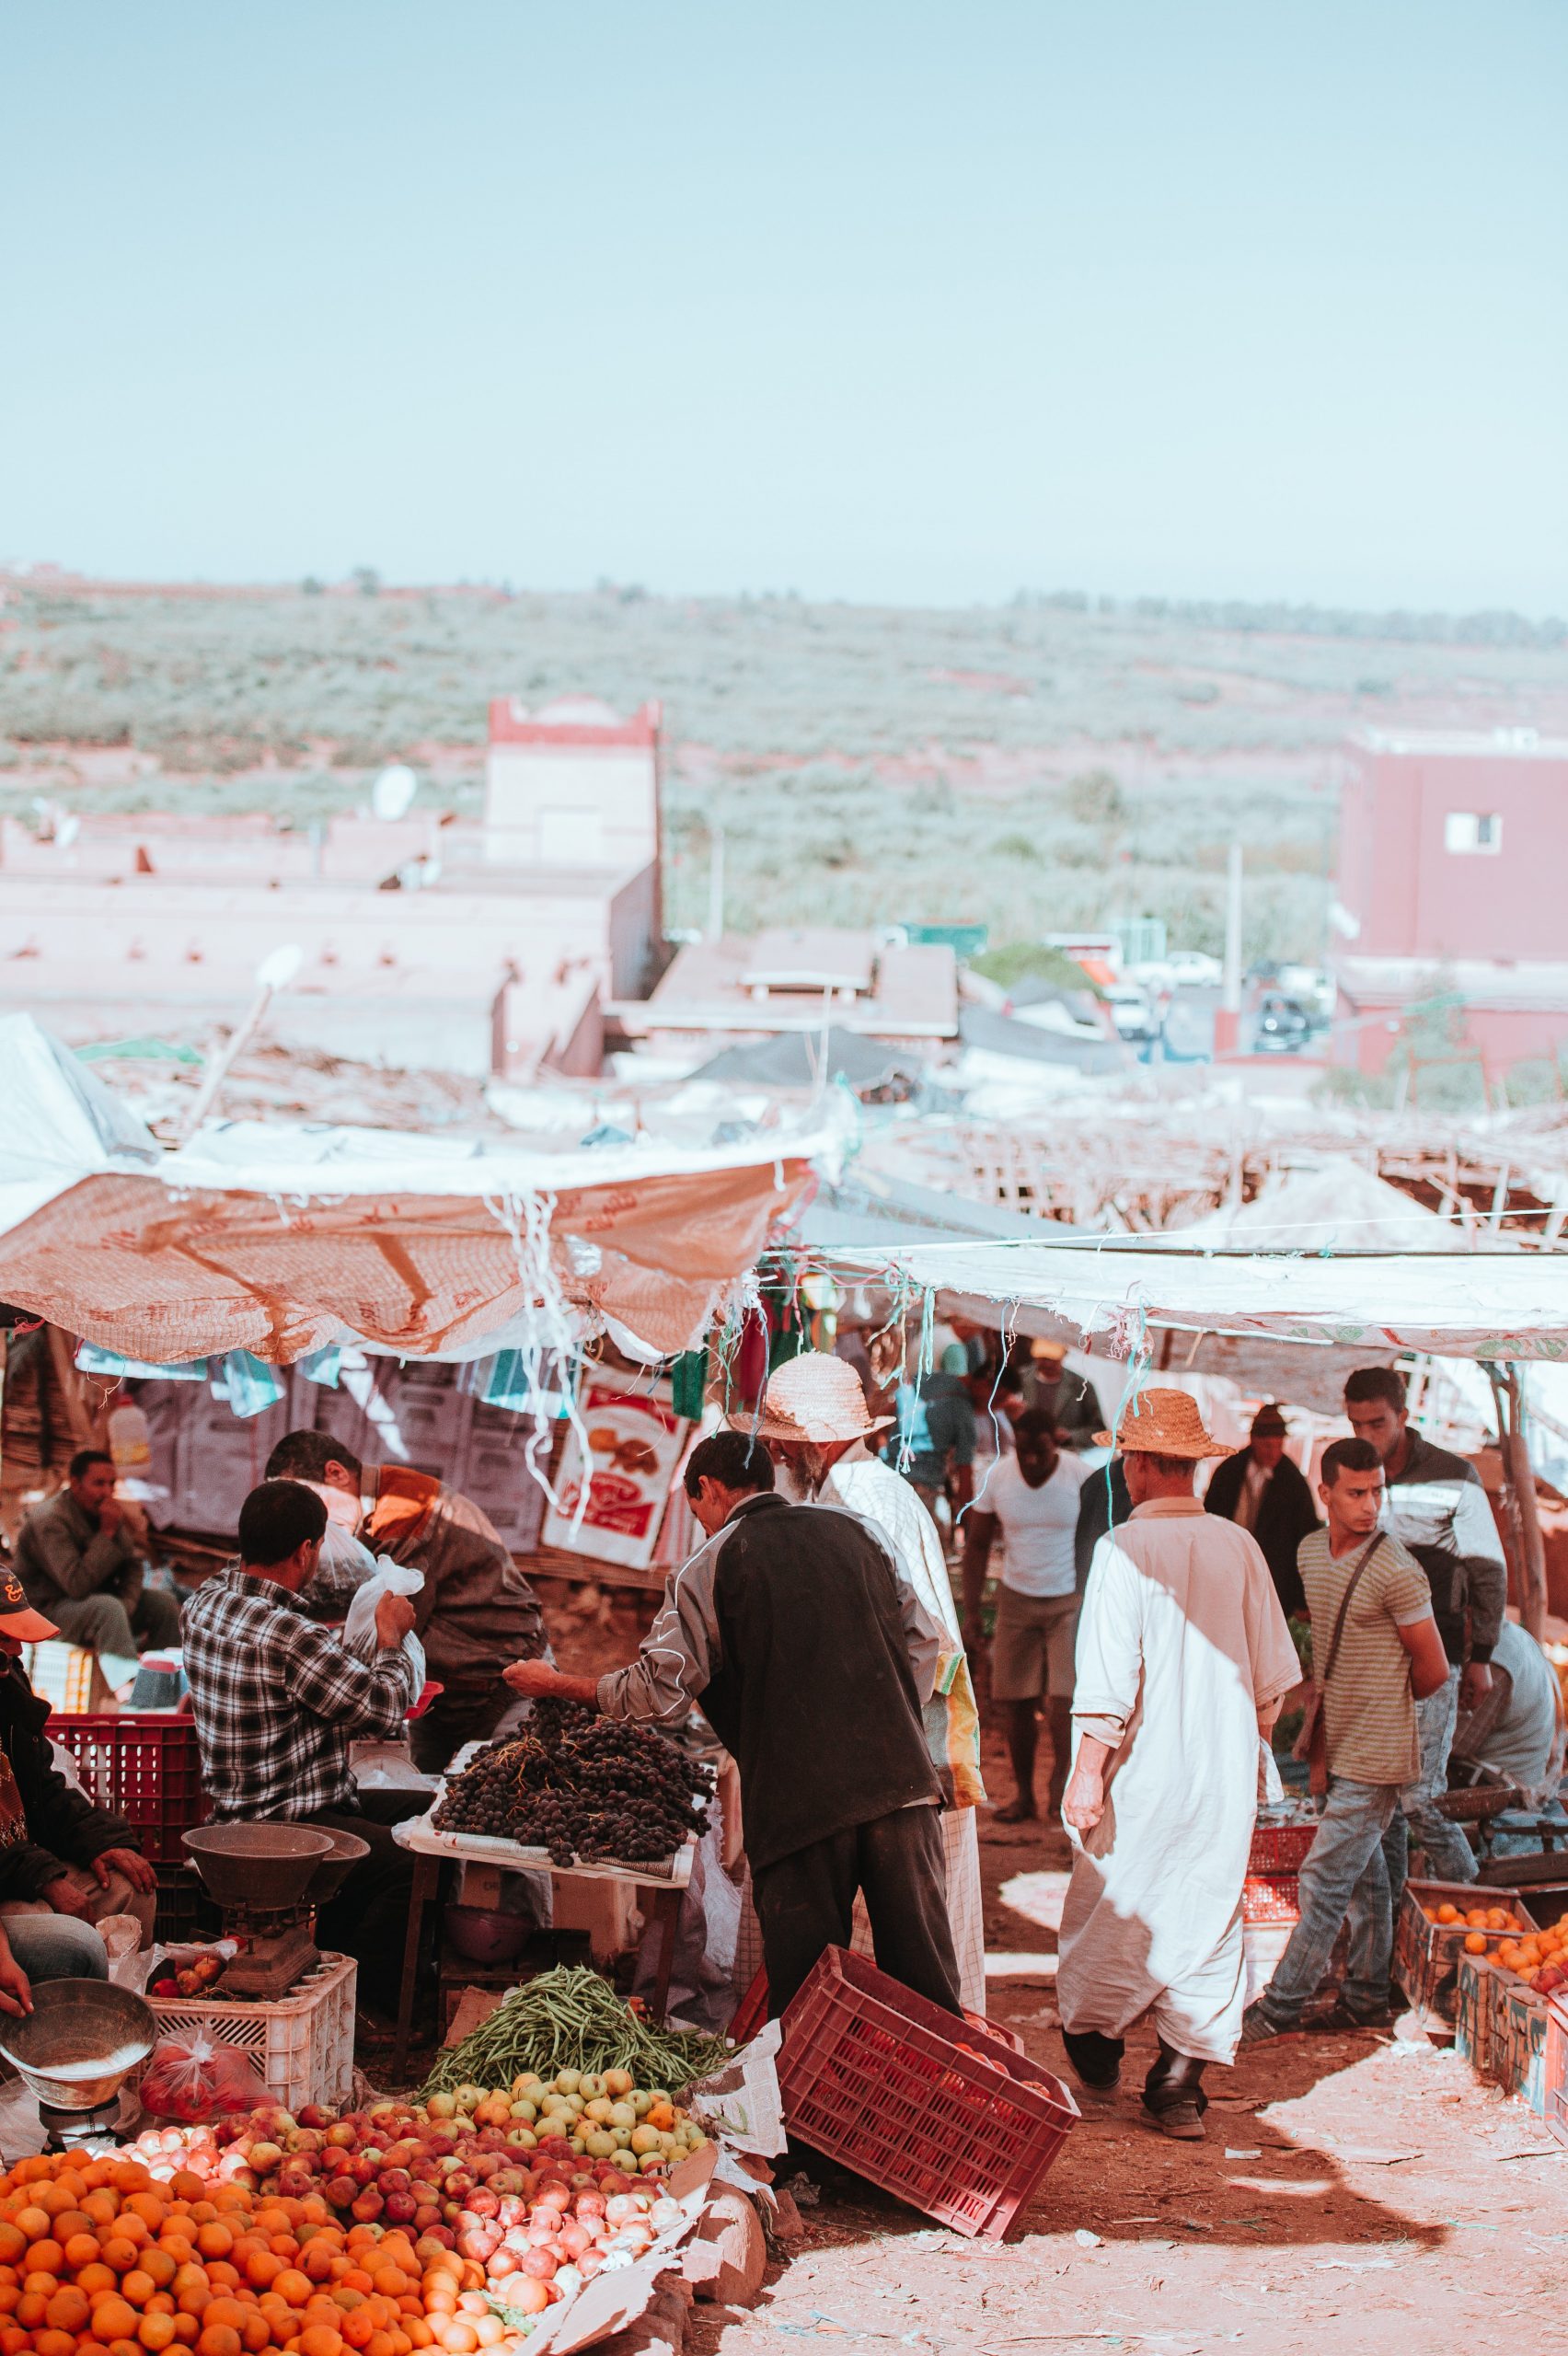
[(80, 2042), (333, 1871), (263, 1866)]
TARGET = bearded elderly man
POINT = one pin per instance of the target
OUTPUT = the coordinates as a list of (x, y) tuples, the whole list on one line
[(1184, 1658), (814, 1423)]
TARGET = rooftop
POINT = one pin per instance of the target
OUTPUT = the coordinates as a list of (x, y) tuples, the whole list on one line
[(1464, 743), (795, 980)]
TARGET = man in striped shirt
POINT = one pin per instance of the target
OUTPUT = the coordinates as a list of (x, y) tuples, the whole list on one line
[(1387, 1656)]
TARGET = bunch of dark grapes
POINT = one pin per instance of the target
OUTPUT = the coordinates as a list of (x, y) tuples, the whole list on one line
[(582, 1786)]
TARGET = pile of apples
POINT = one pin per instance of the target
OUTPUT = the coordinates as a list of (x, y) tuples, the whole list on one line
[(599, 2116), (418, 2168), (538, 2221)]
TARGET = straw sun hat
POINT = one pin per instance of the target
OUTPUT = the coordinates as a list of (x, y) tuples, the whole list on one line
[(1162, 1422), (813, 1397)]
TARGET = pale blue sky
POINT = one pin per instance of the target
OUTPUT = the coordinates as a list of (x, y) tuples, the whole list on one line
[(917, 300)]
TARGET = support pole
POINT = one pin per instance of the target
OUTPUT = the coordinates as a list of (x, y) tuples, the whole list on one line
[(1227, 1022), (217, 1071), (1532, 1598), (716, 881)]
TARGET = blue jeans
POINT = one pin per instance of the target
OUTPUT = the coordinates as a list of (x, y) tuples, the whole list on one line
[(1449, 1856), (1343, 1878), (56, 1946)]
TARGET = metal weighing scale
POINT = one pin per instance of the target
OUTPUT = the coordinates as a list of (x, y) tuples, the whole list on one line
[(74, 2052), (268, 1881)]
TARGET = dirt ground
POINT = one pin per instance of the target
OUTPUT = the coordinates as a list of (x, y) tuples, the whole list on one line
[(1353, 2192)]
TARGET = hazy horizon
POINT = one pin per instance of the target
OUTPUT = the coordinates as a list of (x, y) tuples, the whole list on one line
[(910, 307)]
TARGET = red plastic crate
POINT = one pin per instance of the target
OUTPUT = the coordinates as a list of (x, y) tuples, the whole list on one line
[(1280, 1848), (146, 1764), (1270, 1898), (752, 2010), (952, 2117)]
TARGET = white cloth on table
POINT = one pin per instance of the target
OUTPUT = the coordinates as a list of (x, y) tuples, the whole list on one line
[(1181, 1642)]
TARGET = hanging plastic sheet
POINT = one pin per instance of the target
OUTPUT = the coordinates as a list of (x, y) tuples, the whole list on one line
[(250, 1387)]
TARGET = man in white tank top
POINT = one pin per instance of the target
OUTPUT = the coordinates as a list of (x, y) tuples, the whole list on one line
[(1031, 1501)]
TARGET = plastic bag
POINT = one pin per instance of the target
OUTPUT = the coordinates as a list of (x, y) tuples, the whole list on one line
[(197, 2077), (359, 1629), (122, 1936), (346, 1557)]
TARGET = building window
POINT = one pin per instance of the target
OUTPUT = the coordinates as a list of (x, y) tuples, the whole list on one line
[(1472, 830)]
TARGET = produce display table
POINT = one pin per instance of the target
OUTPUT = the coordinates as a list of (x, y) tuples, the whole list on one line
[(432, 1850)]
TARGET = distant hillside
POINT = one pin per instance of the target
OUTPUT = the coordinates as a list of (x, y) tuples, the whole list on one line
[(1039, 765)]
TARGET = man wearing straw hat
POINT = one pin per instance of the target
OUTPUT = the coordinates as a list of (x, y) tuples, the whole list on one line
[(1183, 1657), (815, 1425)]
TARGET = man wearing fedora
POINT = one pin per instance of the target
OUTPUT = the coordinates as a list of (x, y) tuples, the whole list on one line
[(1261, 1490), (1184, 1658), (815, 1424)]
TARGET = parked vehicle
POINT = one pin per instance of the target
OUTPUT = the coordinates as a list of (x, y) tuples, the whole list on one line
[(1131, 1011), (1280, 1026)]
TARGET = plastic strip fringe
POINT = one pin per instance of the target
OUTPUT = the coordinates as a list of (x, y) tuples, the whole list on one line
[(552, 1339)]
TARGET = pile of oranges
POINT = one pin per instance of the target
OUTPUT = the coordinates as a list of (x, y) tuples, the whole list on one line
[(1482, 1923), (1537, 1957), (99, 2259)]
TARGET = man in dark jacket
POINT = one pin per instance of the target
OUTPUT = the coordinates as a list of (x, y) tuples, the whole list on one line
[(476, 1611), (82, 1571), (1261, 1489), (811, 1656), (59, 1854)]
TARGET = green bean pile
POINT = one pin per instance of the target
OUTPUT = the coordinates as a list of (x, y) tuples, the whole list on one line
[(572, 2019)]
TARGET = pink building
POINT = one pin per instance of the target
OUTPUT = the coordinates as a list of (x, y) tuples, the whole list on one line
[(1452, 855), (425, 943)]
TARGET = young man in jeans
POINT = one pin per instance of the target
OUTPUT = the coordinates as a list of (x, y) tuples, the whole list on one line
[(1388, 1655)]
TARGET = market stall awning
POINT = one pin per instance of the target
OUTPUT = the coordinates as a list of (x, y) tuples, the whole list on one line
[(1121, 1291), (282, 1241), (60, 1122)]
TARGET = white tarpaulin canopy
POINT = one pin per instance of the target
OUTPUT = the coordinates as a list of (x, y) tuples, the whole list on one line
[(58, 1122), (1510, 1305), (1339, 1206)]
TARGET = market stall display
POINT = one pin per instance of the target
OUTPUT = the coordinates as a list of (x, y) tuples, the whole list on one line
[(582, 1788), (1434, 1936), (567, 2020)]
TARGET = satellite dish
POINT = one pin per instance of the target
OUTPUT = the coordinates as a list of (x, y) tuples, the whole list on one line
[(66, 829), (392, 795), (279, 966)]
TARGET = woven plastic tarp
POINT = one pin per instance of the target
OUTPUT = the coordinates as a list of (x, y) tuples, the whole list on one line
[(163, 1273)]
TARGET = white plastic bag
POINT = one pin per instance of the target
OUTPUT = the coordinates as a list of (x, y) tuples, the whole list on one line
[(359, 1629)]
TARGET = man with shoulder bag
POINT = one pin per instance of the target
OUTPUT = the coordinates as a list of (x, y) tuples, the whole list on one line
[(1378, 1652)]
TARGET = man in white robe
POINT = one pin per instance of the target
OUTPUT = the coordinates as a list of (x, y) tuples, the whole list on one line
[(814, 1421), (1183, 1657)]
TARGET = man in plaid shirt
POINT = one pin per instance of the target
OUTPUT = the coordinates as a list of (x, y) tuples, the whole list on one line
[(277, 1700)]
